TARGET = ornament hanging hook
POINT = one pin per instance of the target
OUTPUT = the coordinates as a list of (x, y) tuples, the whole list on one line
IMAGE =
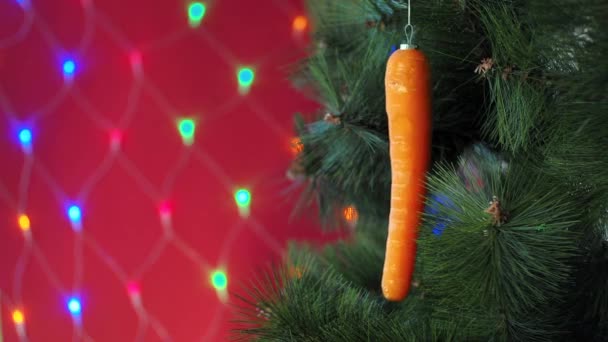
[(409, 28)]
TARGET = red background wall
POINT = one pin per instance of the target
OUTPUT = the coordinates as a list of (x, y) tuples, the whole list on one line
[(240, 141)]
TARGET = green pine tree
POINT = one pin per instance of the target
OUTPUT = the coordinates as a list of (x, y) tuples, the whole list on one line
[(520, 114)]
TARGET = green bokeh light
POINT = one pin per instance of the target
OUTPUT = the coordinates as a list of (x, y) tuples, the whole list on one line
[(219, 280), (242, 198), (186, 128), (246, 76), (196, 11)]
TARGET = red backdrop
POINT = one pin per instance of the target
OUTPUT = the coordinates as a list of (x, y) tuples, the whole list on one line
[(155, 212)]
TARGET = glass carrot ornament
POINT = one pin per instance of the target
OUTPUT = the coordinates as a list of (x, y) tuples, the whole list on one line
[(408, 105)]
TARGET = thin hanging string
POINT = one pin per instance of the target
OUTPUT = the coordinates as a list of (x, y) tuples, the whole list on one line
[(409, 29)]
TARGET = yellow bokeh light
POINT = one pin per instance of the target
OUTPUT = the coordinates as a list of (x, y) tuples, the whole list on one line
[(18, 317), (24, 222)]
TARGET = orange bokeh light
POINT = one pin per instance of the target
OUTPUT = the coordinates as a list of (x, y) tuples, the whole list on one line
[(300, 23), (350, 214), (295, 272), (296, 146)]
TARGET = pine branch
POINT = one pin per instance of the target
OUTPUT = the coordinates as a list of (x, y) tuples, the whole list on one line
[(321, 305), (514, 270), (517, 114)]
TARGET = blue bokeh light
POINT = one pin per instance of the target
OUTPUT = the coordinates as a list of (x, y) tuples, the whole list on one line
[(25, 136), (74, 213), (439, 208), (69, 67), (74, 306)]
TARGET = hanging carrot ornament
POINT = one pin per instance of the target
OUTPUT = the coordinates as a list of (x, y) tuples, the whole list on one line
[(408, 105)]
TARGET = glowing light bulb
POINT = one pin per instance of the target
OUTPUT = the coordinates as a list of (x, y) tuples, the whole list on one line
[(219, 280), (69, 67), (134, 294), (300, 23), (133, 289), (75, 214), (242, 197), (25, 137), (350, 214), (296, 146), (74, 306), (246, 76), (196, 13), (24, 222), (18, 317), (186, 128), (164, 209)]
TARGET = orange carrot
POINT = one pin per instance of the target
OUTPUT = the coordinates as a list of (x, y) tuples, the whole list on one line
[(408, 105)]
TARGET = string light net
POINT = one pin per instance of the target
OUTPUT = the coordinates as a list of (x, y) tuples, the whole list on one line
[(123, 136)]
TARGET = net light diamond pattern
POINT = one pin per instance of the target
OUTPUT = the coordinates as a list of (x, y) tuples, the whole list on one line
[(158, 216)]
